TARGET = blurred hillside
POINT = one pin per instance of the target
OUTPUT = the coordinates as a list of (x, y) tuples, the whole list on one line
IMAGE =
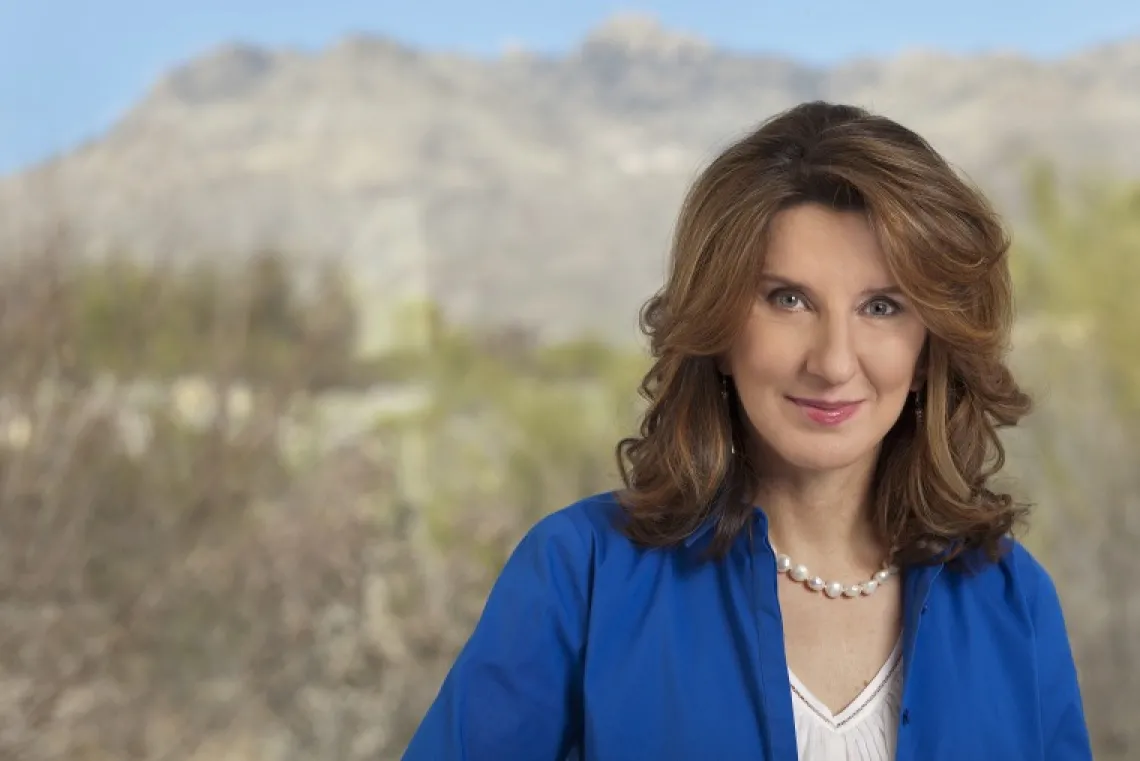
[(526, 189), (225, 534)]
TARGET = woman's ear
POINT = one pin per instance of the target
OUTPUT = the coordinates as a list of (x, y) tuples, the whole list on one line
[(722, 366), (921, 366)]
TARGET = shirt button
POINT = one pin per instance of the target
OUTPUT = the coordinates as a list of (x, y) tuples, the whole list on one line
[(906, 716)]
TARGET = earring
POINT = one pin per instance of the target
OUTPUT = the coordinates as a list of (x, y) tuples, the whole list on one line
[(728, 410), (918, 407)]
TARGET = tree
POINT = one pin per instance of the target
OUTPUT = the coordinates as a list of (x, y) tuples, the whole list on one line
[(331, 329)]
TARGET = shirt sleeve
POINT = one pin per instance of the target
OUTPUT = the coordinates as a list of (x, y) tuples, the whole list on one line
[(1063, 726), (514, 691)]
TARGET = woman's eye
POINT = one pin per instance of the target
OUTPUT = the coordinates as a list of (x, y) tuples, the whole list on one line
[(786, 300), (882, 308)]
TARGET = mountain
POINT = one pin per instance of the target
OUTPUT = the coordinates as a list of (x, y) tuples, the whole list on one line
[(526, 189)]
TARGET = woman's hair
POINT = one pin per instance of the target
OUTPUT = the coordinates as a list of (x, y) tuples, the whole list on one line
[(947, 250)]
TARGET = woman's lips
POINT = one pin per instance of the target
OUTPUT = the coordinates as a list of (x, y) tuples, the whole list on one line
[(825, 412)]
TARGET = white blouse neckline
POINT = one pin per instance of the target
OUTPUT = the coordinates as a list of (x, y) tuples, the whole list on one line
[(866, 730)]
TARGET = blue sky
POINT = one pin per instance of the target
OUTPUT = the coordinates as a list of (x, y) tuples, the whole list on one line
[(69, 68)]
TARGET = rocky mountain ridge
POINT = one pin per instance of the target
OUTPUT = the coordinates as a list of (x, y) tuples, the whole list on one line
[(527, 189)]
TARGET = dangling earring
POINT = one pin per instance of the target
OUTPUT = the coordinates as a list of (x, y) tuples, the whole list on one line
[(918, 407), (728, 411)]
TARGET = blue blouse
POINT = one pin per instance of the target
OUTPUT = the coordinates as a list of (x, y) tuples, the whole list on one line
[(591, 648)]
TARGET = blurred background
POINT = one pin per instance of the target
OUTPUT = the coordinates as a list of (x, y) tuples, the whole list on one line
[(308, 311)]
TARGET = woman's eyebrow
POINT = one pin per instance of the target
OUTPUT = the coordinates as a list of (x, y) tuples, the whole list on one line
[(885, 290)]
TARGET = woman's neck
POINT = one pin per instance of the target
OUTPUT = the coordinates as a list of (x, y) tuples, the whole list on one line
[(823, 519)]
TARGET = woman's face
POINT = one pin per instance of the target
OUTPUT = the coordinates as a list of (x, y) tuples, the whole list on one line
[(830, 349)]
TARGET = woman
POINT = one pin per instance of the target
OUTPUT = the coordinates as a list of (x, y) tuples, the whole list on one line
[(809, 558)]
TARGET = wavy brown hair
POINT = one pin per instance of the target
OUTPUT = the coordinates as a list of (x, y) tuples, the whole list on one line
[(947, 250)]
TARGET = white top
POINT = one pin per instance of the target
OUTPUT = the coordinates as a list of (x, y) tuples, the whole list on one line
[(866, 730)]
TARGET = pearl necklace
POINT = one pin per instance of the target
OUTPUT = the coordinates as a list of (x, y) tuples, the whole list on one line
[(833, 589)]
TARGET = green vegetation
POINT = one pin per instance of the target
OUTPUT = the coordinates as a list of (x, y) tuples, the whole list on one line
[(132, 320), (328, 590), (1079, 264)]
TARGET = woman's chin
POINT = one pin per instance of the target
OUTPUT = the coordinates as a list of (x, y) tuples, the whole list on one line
[(822, 453)]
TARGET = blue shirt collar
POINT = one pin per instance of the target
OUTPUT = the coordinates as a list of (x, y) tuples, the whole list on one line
[(709, 524), (761, 518)]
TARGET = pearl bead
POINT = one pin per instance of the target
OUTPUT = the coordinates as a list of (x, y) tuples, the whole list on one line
[(800, 573), (853, 591), (783, 563), (870, 586), (833, 589), (815, 583), (882, 576)]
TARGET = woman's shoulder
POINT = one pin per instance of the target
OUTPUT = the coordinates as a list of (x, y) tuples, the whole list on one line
[(590, 525), (1031, 574), (558, 560), (1017, 576)]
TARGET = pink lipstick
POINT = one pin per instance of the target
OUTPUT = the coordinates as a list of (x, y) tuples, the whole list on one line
[(827, 413)]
